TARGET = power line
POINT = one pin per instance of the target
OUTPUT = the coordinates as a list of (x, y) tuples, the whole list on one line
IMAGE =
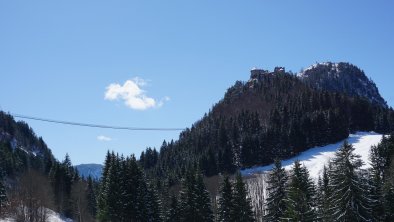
[(95, 125)]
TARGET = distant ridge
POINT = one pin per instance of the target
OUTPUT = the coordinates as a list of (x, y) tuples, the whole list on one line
[(93, 170)]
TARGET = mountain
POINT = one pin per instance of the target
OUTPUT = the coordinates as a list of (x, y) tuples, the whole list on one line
[(31, 178), (342, 77), (275, 114), (92, 170)]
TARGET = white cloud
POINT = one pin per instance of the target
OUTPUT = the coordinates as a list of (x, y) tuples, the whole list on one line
[(104, 138), (132, 94), (161, 102), (140, 82)]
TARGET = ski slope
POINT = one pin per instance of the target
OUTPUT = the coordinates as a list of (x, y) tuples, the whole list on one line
[(315, 158)]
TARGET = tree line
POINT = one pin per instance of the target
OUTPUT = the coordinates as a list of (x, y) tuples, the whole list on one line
[(126, 194)]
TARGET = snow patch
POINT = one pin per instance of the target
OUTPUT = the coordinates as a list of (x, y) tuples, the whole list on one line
[(334, 68), (314, 159), (52, 217), (55, 217)]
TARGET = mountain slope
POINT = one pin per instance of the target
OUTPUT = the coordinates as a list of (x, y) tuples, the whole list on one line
[(272, 115), (21, 149), (315, 158), (342, 77), (33, 178)]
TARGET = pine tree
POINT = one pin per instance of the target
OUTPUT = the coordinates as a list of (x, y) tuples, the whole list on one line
[(125, 194), (131, 182), (389, 204), (3, 196), (147, 204), (323, 193), (225, 201), (203, 201), (300, 195), (174, 212), (68, 178), (349, 200), (242, 209), (188, 198), (387, 145), (153, 203), (275, 206), (91, 197), (102, 204), (376, 182), (113, 190), (61, 177), (110, 196), (195, 203)]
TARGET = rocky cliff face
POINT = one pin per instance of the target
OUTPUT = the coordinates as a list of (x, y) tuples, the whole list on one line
[(344, 78)]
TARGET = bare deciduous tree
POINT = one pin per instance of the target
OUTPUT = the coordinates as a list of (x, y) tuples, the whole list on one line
[(31, 197), (80, 202)]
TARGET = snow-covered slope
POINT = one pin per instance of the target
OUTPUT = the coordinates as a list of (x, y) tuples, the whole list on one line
[(55, 217), (315, 159), (52, 217)]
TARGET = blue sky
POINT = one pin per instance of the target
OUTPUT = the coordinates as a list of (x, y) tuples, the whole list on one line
[(58, 60)]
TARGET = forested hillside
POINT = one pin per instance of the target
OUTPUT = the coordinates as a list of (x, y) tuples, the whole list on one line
[(32, 181), (272, 115)]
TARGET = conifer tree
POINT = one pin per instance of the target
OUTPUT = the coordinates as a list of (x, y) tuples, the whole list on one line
[(131, 182), (148, 206), (91, 197), (67, 180), (102, 205), (125, 194), (153, 203), (203, 201), (389, 204), (225, 200), (275, 206), (323, 194), (188, 197), (113, 190), (3, 196), (349, 200), (300, 195), (376, 173), (174, 211), (195, 204), (61, 177), (242, 209)]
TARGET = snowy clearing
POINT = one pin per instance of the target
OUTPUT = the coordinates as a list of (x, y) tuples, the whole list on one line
[(52, 217), (315, 158)]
